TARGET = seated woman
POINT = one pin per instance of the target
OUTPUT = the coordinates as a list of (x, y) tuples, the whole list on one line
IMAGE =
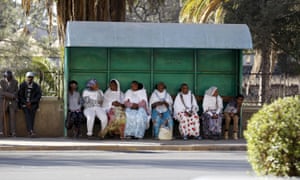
[(114, 106), (93, 98), (185, 111), (75, 116), (212, 112), (136, 104), (161, 108)]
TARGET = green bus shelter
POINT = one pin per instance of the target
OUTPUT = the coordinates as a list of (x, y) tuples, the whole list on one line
[(201, 55)]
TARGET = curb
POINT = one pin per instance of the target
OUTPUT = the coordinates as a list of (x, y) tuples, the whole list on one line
[(128, 148), (67, 144)]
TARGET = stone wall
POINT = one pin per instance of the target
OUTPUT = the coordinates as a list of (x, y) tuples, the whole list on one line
[(49, 121)]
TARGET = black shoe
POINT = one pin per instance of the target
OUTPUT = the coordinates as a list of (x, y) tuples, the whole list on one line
[(155, 138), (198, 138), (185, 138), (32, 134), (13, 134), (91, 138)]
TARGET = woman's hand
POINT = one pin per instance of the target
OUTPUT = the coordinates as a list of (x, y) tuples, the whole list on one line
[(134, 106), (116, 103), (215, 116)]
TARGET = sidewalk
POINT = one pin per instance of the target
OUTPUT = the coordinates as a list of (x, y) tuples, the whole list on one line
[(65, 143)]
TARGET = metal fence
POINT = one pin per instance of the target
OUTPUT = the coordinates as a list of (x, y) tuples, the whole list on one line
[(281, 85), (51, 82)]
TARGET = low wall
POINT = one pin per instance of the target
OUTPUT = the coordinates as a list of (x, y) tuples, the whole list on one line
[(49, 121), (247, 112)]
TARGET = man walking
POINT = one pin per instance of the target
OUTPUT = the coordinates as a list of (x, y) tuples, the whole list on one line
[(8, 104), (29, 97)]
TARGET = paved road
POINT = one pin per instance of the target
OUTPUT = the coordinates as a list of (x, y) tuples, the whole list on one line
[(109, 165)]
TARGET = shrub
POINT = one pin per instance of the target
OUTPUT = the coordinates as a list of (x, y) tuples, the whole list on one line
[(273, 138)]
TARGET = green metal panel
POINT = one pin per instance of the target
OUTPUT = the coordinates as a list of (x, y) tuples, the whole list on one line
[(179, 60), (218, 68), (66, 85), (88, 58), (200, 69), (216, 60), (173, 67), (130, 59), (226, 83)]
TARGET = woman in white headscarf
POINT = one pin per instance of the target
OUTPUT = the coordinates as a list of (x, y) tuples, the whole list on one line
[(161, 108), (93, 99), (137, 118), (212, 112), (185, 111), (114, 106)]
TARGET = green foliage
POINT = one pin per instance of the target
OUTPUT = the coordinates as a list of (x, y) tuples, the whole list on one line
[(288, 65), (202, 11), (273, 137), (27, 47), (273, 23)]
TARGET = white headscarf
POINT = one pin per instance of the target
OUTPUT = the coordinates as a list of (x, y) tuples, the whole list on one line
[(211, 90), (111, 96), (212, 103)]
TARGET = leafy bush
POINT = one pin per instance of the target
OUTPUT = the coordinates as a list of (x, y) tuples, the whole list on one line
[(273, 138)]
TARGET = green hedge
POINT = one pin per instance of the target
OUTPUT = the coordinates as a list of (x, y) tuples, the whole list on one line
[(273, 138)]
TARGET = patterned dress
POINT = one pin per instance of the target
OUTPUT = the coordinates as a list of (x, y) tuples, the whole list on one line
[(137, 120), (161, 115), (116, 114), (185, 111), (212, 113)]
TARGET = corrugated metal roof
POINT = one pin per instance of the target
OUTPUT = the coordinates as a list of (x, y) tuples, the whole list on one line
[(157, 35)]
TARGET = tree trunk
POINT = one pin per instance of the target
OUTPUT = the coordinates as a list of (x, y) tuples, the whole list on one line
[(88, 10), (266, 74), (117, 10)]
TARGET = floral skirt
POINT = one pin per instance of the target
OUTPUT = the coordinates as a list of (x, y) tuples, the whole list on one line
[(136, 122), (116, 121), (211, 126), (189, 125)]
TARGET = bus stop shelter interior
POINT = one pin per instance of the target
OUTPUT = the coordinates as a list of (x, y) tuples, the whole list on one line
[(201, 55)]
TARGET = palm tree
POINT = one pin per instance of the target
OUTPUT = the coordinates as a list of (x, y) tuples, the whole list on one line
[(202, 11)]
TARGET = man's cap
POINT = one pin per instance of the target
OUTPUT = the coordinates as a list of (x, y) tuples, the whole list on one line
[(29, 74), (7, 73)]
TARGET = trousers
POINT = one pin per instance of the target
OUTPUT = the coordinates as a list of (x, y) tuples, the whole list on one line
[(91, 113), (29, 117), (11, 118)]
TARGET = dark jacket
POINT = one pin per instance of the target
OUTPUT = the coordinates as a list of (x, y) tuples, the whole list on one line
[(35, 95), (9, 92)]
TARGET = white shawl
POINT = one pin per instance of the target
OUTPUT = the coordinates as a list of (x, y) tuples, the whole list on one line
[(179, 106), (157, 96), (136, 96), (111, 96)]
